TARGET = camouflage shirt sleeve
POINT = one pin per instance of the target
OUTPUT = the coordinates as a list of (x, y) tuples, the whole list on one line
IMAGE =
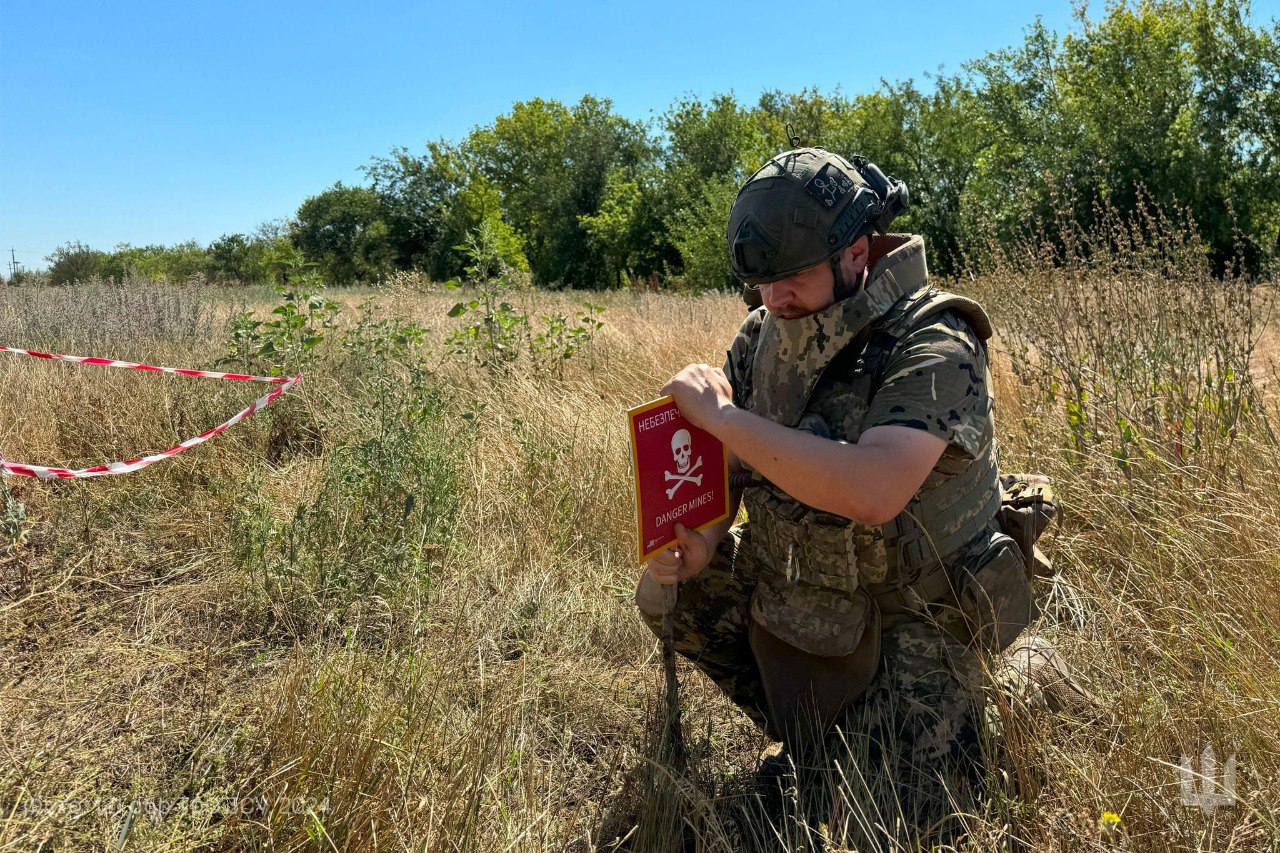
[(737, 364), (937, 380)]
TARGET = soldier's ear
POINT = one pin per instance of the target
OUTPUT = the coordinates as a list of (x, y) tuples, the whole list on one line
[(858, 254)]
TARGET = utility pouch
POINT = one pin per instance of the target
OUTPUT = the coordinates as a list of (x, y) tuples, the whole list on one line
[(810, 593), (994, 591), (1027, 506)]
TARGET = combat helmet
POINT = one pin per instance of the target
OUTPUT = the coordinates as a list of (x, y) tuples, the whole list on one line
[(804, 206)]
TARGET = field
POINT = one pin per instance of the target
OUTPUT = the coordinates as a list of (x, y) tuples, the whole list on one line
[(393, 610)]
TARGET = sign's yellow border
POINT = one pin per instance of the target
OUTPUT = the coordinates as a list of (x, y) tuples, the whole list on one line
[(635, 478)]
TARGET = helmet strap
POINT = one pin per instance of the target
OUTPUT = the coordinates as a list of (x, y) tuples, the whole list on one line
[(842, 290)]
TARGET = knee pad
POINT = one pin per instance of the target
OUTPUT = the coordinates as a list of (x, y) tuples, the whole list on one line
[(651, 602)]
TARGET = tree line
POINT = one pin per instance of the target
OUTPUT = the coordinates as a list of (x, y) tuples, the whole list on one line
[(1172, 104)]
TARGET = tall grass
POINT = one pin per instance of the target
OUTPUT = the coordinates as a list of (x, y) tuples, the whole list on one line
[(129, 313), (393, 612)]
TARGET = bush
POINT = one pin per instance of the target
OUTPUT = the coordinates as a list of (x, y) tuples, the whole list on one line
[(237, 258), (75, 262), (383, 511), (698, 233), (177, 263), (1125, 327), (283, 345), (28, 278)]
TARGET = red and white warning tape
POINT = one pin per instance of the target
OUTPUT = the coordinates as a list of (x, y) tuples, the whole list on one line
[(111, 362), (46, 472)]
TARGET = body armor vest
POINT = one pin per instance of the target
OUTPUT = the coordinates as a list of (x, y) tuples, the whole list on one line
[(824, 579)]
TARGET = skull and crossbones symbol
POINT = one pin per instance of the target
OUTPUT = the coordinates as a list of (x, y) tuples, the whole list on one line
[(681, 453)]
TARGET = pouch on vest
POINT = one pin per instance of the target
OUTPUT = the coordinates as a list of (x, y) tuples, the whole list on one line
[(1027, 506), (993, 588)]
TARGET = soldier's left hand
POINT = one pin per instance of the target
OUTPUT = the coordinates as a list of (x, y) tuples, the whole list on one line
[(701, 393)]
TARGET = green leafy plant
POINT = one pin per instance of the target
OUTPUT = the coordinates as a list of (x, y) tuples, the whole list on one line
[(283, 344), (496, 332), (379, 337), (382, 513), (14, 525), (560, 339)]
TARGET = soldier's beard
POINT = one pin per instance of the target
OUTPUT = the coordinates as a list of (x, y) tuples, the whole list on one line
[(796, 310), (840, 289)]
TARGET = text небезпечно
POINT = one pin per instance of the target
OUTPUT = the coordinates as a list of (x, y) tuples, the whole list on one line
[(665, 416)]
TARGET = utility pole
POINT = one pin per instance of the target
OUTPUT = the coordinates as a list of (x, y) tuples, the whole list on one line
[(13, 263)]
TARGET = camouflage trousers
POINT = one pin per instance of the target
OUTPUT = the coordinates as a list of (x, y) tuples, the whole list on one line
[(919, 720)]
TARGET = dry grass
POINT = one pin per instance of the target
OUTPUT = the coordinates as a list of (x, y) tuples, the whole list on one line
[(438, 650)]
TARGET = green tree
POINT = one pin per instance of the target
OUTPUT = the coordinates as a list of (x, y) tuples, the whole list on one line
[(237, 258), (477, 209), (930, 141), (1018, 104), (550, 165), (698, 231), (719, 138), (420, 196), (1180, 98), (344, 231), (630, 228), (710, 151), (74, 262), (177, 263), (1170, 103), (817, 119)]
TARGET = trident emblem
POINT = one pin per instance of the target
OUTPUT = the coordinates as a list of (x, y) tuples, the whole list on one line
[(1202, 788)]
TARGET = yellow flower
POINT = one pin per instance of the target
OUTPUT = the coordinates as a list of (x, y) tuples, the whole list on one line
[(1109, 831)]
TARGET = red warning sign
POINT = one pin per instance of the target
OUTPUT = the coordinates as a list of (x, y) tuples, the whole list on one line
[(681, 474)]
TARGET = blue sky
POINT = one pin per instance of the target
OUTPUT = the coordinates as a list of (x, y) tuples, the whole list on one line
[(148, 122)]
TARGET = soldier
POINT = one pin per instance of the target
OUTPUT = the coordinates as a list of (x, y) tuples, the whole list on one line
[(874, 566)]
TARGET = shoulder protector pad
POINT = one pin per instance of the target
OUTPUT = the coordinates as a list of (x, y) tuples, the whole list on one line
[(935, 302)]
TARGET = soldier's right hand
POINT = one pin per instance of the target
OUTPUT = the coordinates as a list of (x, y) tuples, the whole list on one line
[(689, 555)]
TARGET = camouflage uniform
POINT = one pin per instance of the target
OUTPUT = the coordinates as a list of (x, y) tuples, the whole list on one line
[(822, 583)]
